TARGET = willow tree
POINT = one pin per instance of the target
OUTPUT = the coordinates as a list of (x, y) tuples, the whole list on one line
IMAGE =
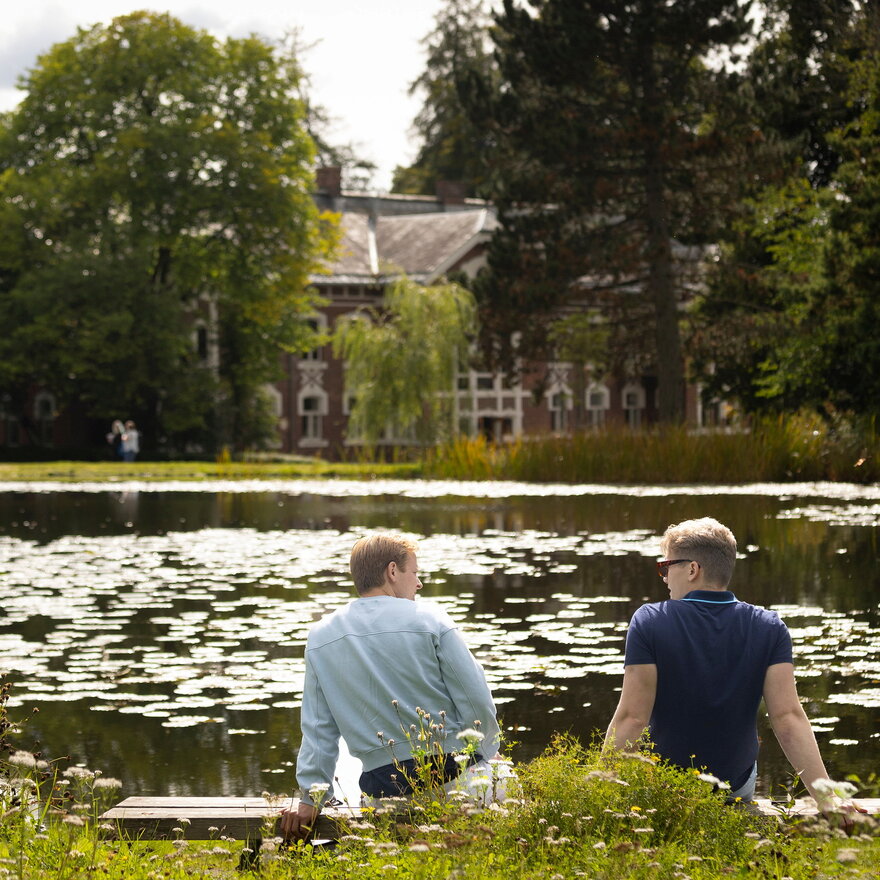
[(153, 178), (402, 361)]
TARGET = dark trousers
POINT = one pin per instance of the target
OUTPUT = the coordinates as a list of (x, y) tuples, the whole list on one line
[(402, 778)]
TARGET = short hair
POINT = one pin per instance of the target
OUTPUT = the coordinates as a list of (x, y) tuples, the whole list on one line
[(370, 557), (706, 541)]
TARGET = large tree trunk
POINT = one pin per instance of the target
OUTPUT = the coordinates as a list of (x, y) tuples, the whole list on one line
[(662, 288)]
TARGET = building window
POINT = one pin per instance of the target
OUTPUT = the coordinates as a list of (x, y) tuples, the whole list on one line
[(485, 382), (317, 325), (201, 342), (311, 417), (633, 397), (598, 400), (559, 406), (44, 416)]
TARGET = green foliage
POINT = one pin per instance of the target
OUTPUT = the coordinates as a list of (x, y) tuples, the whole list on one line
[(452, 144), (152, 177), (402, 361), (579, 813), (610, 138), (790, 318)]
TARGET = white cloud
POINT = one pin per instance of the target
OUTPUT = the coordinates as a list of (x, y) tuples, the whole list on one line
[(365, 54)]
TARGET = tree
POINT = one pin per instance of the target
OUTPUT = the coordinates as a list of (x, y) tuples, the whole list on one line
[(152, 181), (401, 361), (790, 317), (611, 138), (452, 144)]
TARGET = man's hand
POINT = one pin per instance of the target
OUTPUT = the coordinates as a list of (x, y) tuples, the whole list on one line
[(298, 824), (842, 813)]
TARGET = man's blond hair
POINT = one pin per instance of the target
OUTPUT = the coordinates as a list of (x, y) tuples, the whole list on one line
[(371, 556), (706, 541)]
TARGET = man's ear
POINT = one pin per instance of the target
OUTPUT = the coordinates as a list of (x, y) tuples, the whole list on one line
[(391, 571)]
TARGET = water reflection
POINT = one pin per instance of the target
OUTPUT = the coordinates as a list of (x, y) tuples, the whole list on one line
[(161, 633)]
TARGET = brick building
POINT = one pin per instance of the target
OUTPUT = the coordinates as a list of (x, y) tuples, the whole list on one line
[(427, 238)]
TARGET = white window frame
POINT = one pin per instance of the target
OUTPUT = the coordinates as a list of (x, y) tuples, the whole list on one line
[(634, 414), (311, 421)]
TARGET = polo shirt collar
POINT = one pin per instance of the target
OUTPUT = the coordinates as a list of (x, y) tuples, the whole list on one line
[(712, 597)]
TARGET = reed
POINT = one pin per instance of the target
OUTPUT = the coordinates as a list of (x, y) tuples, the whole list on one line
[(772, 450)]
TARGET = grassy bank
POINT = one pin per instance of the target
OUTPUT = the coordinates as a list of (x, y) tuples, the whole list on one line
[(113, 471), (778, 450), (576, 814)]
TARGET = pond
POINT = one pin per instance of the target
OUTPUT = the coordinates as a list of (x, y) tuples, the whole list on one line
[(159, 628)]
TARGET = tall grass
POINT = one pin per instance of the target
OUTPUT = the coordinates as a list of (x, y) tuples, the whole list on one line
[(776, 450)]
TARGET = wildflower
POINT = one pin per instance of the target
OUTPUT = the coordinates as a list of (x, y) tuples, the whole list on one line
[(395, 703), (599, 845), (829, 788), (713, 780), (461, 759), (420, 847), (74, 820), (470, 736), (645, 830), (109, 782), (23, 759), (380, 735), (847, 855)]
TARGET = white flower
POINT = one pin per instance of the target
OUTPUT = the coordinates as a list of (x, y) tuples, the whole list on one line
[(107, 782), (318, 789), (471, 736), (462, 759), (713, 780), (23, 759), (830, 788)]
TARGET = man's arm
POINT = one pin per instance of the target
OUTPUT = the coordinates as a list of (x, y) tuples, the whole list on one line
[(795, 735), (634, 709), (791, 725), (317, 758), (466, 682)]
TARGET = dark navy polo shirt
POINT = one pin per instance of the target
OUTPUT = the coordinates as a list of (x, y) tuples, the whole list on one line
[(712, 653)]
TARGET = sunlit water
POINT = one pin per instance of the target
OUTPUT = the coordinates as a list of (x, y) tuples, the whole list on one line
[(159, 628)]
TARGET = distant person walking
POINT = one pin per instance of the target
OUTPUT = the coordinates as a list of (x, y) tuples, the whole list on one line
[(114, 438), (130, 442)]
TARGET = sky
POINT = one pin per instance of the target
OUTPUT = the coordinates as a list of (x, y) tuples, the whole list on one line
[(365, 54)]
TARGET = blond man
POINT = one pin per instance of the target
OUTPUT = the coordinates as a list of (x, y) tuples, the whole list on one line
[(375, 669)]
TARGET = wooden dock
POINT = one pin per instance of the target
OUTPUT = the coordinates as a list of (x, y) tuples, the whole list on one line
[(253, 818)]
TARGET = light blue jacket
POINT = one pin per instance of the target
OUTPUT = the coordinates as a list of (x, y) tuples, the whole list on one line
[(374, 651)]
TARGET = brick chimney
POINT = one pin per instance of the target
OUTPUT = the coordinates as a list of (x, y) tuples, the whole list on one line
[(329, 181), (450, 192)]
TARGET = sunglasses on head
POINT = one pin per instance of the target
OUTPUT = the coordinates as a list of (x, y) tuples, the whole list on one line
[(663, 565)]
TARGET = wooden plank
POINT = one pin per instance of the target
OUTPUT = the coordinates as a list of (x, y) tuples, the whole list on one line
[(806, 806), (235, 817), (246, 818)]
